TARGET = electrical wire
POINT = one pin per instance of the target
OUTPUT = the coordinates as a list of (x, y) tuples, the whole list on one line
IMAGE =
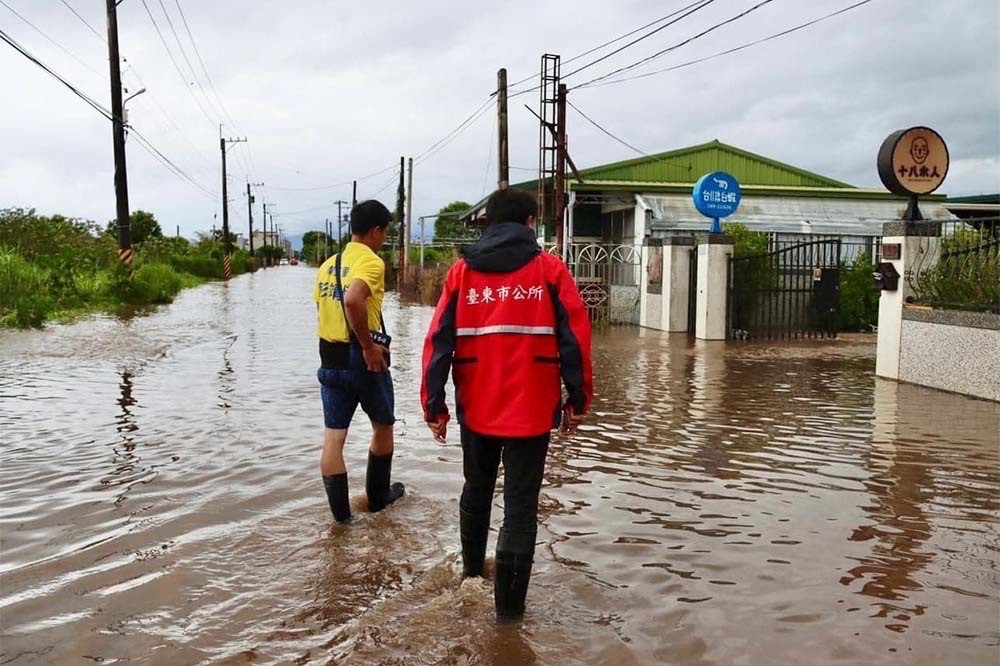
[(142, 140), (454, 134), (52, 41), (180, 73), (335, 185), (598, 48), (675, 46), (208, 77), (84, 21), (747, 45), (685, 12), (489, 162), (598, 126)]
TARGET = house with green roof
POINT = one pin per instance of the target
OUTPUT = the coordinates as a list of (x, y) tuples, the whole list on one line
[(625, 202)]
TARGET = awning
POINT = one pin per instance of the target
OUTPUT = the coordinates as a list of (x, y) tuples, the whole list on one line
[(788, 215)]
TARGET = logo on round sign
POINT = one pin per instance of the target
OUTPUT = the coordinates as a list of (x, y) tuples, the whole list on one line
[(717, 194), (913, 161)]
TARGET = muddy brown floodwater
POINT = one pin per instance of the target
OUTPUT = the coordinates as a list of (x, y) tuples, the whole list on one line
[(160, 504)]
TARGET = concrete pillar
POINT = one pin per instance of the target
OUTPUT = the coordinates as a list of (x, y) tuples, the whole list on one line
[(676, 282), (714, 251), (919, 245), (650, 291)]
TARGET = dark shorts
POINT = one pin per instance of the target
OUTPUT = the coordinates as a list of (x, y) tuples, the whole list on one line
[(343, 390)]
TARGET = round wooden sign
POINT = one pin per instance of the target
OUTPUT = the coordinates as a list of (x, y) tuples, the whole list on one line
[(913, 161)]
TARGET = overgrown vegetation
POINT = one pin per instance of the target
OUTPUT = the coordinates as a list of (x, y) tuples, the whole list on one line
[(54, 267)]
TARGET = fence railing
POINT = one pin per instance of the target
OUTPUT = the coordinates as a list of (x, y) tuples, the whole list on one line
[(960, 268), (607, 276)]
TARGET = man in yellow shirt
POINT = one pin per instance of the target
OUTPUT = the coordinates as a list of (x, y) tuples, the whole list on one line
[(354, 360)]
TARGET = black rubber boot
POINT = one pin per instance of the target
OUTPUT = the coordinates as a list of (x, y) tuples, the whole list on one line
[(380, 493), (515, 551), (475, 530), (336, 495)]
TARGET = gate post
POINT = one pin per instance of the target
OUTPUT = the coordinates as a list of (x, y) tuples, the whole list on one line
[(714, 252), (676, 282), (911, 248)]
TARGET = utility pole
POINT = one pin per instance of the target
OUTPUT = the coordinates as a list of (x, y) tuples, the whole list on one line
[(340, 219), (118, 136), (503, 168), (409, 211), (354, 195), (250, 201), (400, 199), (267, 256), (227, 250), (559, 186)]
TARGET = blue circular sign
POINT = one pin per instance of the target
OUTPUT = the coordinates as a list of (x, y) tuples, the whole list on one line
[(717, 194)]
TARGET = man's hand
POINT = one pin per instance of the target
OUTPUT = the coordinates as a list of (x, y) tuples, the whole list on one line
[(375, 357), (439, 429), (571, 419)]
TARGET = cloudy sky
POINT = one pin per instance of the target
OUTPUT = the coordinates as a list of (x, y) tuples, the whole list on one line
[(327, 92)]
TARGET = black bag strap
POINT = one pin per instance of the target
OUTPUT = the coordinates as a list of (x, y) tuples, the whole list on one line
[(343, 306)]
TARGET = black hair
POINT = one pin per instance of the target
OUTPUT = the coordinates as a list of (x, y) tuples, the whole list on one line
[(367, 215), (510, 205)]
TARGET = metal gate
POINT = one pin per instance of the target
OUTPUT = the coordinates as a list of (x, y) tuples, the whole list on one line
[(608, 279), (791, 292), (693, 290)]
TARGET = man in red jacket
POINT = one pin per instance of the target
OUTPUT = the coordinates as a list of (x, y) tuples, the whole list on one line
[(509, 325)]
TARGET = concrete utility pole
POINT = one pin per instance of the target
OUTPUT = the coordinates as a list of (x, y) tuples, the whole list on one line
[(340, 219), (503, 168), (227, 250), (409, 211), (354, 195), (400, 200), (267, 259), (250, 201), (118, 137)]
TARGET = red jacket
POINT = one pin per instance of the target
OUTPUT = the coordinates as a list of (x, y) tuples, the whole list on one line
[(510, 324)]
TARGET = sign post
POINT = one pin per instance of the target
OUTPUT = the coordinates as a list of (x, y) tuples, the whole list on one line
[(717, 195)]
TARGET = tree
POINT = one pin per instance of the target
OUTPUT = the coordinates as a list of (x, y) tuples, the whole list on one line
[(447, 226), (144, 225), (314, 246)]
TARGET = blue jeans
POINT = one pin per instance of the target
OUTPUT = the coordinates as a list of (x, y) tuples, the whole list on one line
[(342, 390)]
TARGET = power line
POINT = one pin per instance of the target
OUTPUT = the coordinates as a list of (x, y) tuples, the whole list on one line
[(335, 185), (143, 141), (204, 69), (50, 40), (689, 9), (735, 49), (180, 47), (84, 21), (170, 53), (675, 46), (595, 124), (608, 43), (451, 136)]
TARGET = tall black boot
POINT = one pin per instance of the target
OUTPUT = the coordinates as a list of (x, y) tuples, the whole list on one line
[(380, 493), (474, 529), (336, 495), (515, 551)]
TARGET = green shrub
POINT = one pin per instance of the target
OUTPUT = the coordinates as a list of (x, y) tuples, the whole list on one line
[(155, 283), (858, 295)]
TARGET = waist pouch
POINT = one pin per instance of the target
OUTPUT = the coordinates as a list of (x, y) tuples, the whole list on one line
[(347, 355)]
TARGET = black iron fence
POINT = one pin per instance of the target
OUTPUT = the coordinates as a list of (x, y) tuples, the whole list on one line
[(959, 268), (791, 292)]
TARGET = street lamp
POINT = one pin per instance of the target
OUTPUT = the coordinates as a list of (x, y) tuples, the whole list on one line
[(124, 110)]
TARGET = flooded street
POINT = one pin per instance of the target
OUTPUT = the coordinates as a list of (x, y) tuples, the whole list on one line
[(160, 503)]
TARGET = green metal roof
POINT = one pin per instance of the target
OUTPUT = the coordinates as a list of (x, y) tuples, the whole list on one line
[(686, 165), (976, 199)]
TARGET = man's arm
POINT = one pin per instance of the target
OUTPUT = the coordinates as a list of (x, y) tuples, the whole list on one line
[(573, 337), (439, 347), (356, 306)]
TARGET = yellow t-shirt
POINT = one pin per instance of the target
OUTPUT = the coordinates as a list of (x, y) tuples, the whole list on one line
[(358, 263)]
